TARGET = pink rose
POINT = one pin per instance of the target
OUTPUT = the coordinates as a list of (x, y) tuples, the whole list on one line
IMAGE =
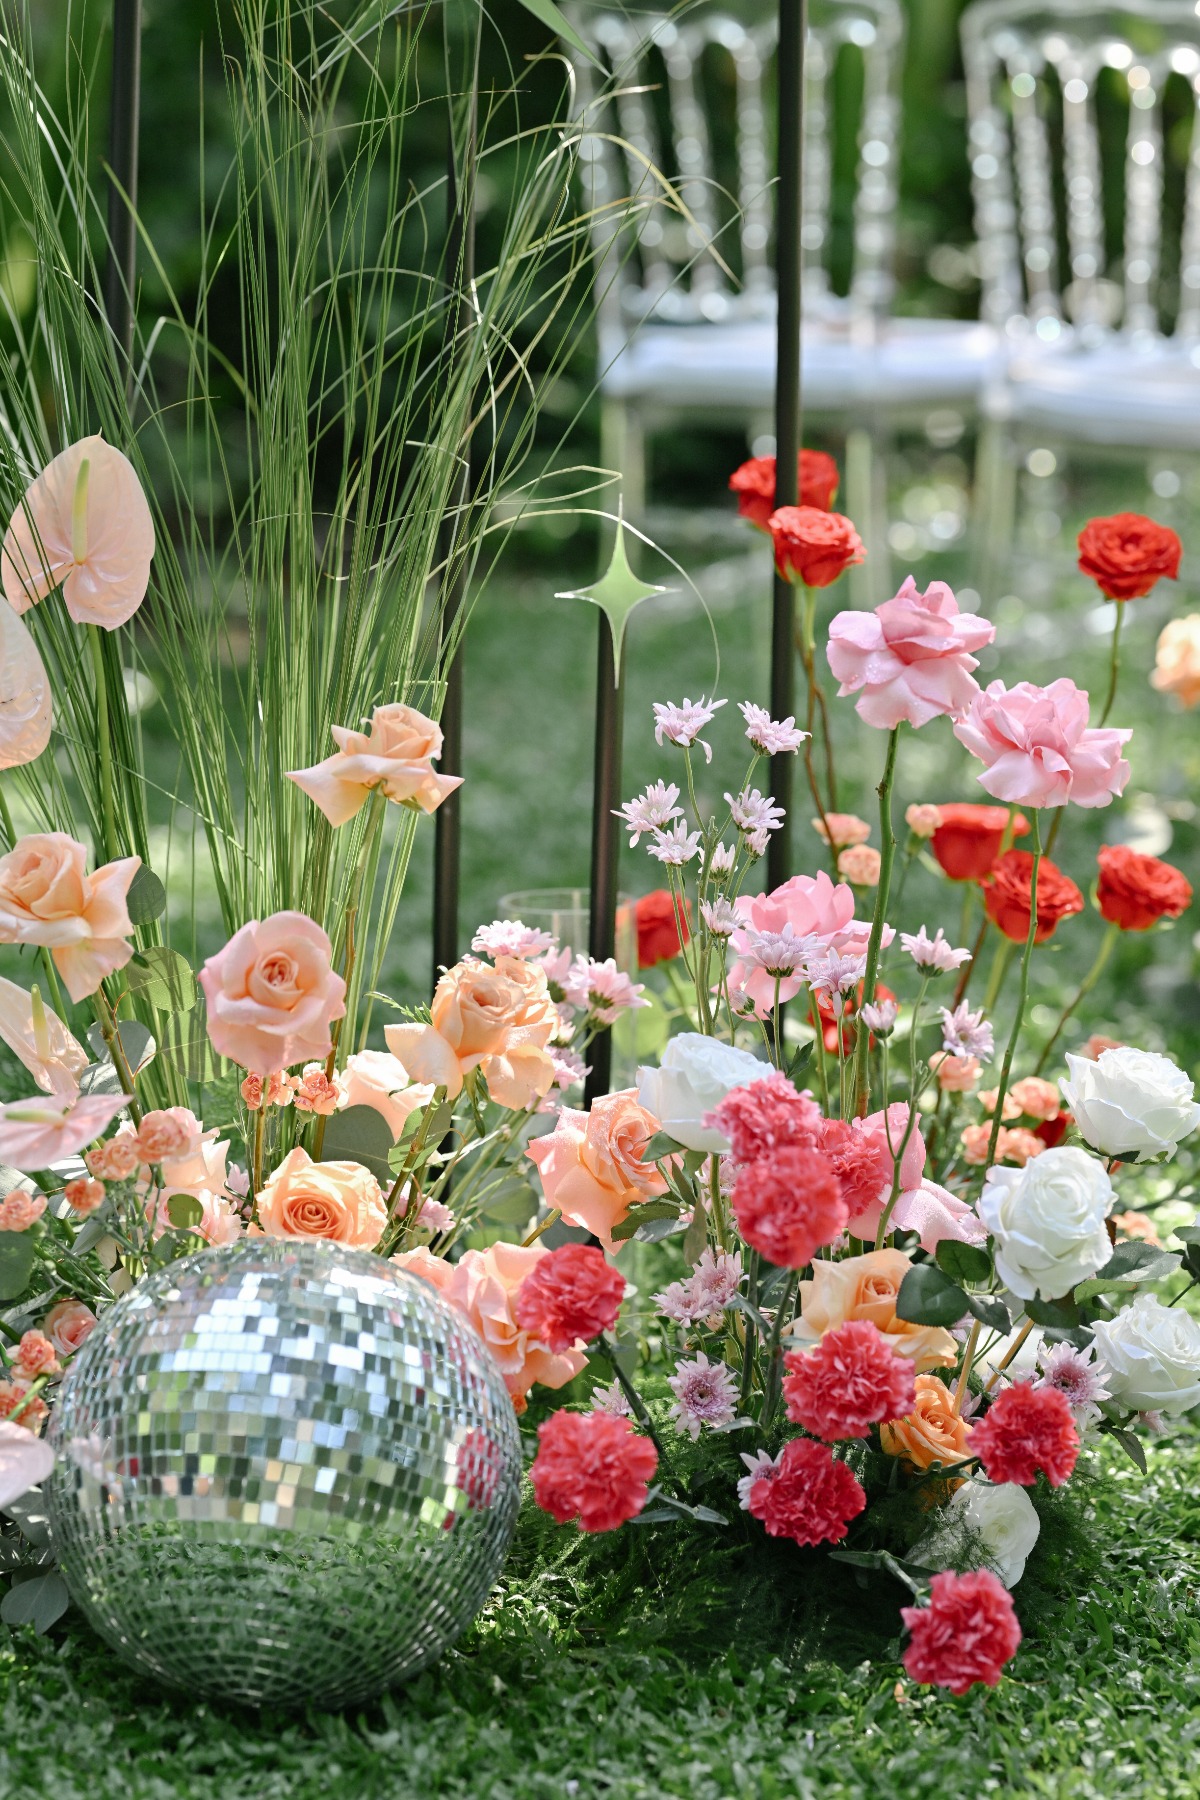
[(395, 754), (812, 906), (484, 1286), (911, 656), (47, 897), (338, 1201), (67, 1324), (377, 1079), (591, 1164), (935, 1213), (864, 1159), (84, 526), (272, 994), (1038, 748)]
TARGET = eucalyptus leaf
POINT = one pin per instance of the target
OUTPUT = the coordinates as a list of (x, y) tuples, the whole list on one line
[(137, 1043), (147, 897), (911, 1575), (185, 1211), (928, 1297), (360, 1134), (17, 1258), (39, 1602), (164, 978)]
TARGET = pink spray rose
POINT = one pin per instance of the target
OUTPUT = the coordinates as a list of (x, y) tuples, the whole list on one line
[(911, 657), (83, 525), (67, 1324), (1038, 748), (395, 754), (813, 907), (272, 994), (47, 897)]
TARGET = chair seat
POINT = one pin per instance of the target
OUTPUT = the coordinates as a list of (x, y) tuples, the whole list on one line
[(1118, 394), (903, 364)]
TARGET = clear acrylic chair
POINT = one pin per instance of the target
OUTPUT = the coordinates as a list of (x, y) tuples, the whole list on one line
[(686, 290), (1101, 320)]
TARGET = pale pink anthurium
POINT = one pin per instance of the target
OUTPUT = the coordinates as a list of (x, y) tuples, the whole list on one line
[(25, 711), (24, 1461), (84, 525), (38, 1036)]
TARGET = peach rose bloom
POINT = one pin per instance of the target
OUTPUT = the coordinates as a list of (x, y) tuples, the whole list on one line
[(1137, 1225), (272, 994), (394, 754), (865, 1287), (1012, 1106), (377, 1079), (932, 1432), (955, 1074), (497, 1019), (591, 1164), (860, 865), (67, 1324), (844, 829), (1177, 660), (1097, 1044), (84, 526), (484, 1286), (338, 1201), (1037, 1098), (423, 1263), (38, 1036), (47, 897), (26, 714)]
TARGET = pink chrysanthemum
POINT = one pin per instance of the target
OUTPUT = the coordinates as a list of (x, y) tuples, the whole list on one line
[(811, 1497), (705, 1394), (591, 1465), (770, 736), (852, 1379), (788, 1205), (966, 1634), (604, 989), (1027, 1429), (649, 811), (1078, 1376), (509, 937), (762, 1466), (707, 1290), (682, 724)]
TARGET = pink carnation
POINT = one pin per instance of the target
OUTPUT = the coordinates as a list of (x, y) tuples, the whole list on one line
[(788, 1205), (1027, 1428), (852, 1379), (910, 657), (810, 1496), (864, 1162), (1038, 748), (764, 1116), (593, 1465), (966, 1634)]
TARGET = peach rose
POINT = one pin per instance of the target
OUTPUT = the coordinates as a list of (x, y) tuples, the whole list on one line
[(865, 1287), (47, 897), (377, 1079), (955, 1074), (340, 1201), (272, 994), (1177, 660), (1037, 1098), (67, 1324), (932, 1432), (84, 526), (1137, 1225), (484, 1286), (423, 1263), (591, 1164), (498, 1020), (395, 754)]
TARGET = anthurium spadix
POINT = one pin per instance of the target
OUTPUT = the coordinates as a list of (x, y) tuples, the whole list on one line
[(84, 525)]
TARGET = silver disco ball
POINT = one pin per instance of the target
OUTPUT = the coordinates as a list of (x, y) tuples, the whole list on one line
[(286, 1473)]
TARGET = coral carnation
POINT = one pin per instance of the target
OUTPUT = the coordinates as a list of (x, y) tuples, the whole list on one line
[(1006, 896), (764, 1116), (571, 1296), (810, 1496), (788, 1205), (966, 1634), (1137, 891), (1027, 1429), (851, 1380), (593, 1465)]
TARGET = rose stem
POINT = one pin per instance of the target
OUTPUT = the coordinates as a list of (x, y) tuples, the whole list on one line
[(1022, 992), (1008, 1356), (1114, 667), (887, 839), (1085, 987), (960, 1386)]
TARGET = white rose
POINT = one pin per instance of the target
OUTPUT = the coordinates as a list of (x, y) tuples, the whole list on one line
[(1153, 1356), (696, 1074), (1130, 1100), (1048, 1222), (1002, 1520)]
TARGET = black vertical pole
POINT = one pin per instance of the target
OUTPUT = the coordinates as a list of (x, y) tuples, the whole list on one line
[(793, 24), (459, 276), (606, 839), (120, 270)]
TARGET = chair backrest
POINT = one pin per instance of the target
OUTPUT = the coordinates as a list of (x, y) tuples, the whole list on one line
[(688, 97), (1052, 245)]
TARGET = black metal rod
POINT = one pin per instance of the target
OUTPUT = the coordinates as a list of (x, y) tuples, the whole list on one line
[(459, 273), (793, 25), (606, 838), (120, 269)]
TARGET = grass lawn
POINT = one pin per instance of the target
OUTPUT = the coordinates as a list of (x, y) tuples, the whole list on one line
[(1103, 1699)]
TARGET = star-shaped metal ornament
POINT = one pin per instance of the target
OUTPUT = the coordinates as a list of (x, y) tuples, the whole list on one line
[(617, 592)]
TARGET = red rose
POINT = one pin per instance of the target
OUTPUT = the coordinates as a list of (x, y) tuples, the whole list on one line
[(1053, 1131), (1136, 891), (754, 485), (1006, 896), (592, 1464), (570, 1296), (850, 1005), (658, 928), (966, 1634), (968, 838), (810, 1496), (812, 545), (1027, 1429), (1125, 555)]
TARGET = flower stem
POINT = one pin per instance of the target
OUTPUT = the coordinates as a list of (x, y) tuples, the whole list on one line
[(968, 968), (1008, 1356), (773, 1382), (260, 1125), (1085, 987), (1114, 667), (887, 853), (911, 1122), (102, 731), (609, 1351), (1022, 992), (111, 1033), (960, 1386), (717, 1203)]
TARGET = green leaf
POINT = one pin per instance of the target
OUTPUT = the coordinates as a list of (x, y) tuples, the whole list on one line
[(641, 1034), (164, 978), (147, 897), (551, 15), (911, 1575), (989, 1310), (361, 1135), (694, 1161), (927, 1297), (801, 1057), (963, 1262), (618, 591), (696, 1236), (38, 1602), (136, 1042), (184, 1211), (1131, 1265), (1131, 1446), (739, 1303), (16, 1263), (1062, 1313), (641, 1215), (660, 1145)]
